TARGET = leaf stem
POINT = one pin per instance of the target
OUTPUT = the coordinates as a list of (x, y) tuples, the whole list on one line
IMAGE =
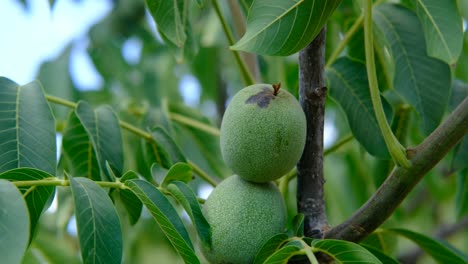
[(53, 181), (349, 34), (202, 173), (338, 144), (147, 136), (60, 101), (397, 151), (308, 251), (246, 75), (195, 124)]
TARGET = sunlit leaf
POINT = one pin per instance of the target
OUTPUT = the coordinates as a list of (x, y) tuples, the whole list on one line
[(166, 216), (178, 172), (284, 27), (170, 19), (432, 247), (97, 221), (344, 251), (14, 225), (349, 87), (443, 28), (422, 80), (27, 128), (187, 198), (36, 197)]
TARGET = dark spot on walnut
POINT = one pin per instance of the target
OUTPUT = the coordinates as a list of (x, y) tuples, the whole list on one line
[(262, 98)]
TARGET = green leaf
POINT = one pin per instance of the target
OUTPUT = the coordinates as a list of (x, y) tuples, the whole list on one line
[(178, 172), (298, 225), (284, 27), (270, 247), (79, 150), (422, 80), (187, 198), (461, 200), (344, 251), (443, 28), (56, 80), (201, 148), (350, 88), (283, 255), (102, 126), (163, 139), (166, 217), (14, 225), (97, 221), (434, 248), (27, 128), (156, 153), (130, 201), (380, 255), (170, 19), (37, 197), (461, 68)]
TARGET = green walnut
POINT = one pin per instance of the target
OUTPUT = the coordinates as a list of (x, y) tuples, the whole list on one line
[(243, 216), (263, 132)]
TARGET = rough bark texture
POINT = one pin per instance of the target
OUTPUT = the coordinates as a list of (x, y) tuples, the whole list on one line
[(312, 93), (401, 181)]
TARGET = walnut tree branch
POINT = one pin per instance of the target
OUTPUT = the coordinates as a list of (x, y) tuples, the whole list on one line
[(312, 93), (401, 181)]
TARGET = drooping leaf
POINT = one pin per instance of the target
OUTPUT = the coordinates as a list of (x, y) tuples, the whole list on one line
[(14, 225), (178, 172), (162, 138), (97, 222), (130, 201), (103, 128), (37, 197), (443, 28), (79, 150), (284, 27), (344, 251), (27, 128), (187, 198), (170, 19), (283, 255), (156, 153), (270, 247), (422, 80), (166, 216), (432, 247), (349, 87)]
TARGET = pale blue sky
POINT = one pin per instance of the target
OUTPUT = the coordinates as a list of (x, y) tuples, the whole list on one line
[(31, 37)]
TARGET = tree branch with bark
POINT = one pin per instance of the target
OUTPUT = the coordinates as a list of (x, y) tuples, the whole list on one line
[(401, 181)]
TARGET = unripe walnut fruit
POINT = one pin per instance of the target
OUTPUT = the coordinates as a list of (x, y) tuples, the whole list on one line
[(263, 133), (243, 216)]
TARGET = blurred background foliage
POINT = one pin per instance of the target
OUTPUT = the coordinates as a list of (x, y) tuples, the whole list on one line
[(162, 82)]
